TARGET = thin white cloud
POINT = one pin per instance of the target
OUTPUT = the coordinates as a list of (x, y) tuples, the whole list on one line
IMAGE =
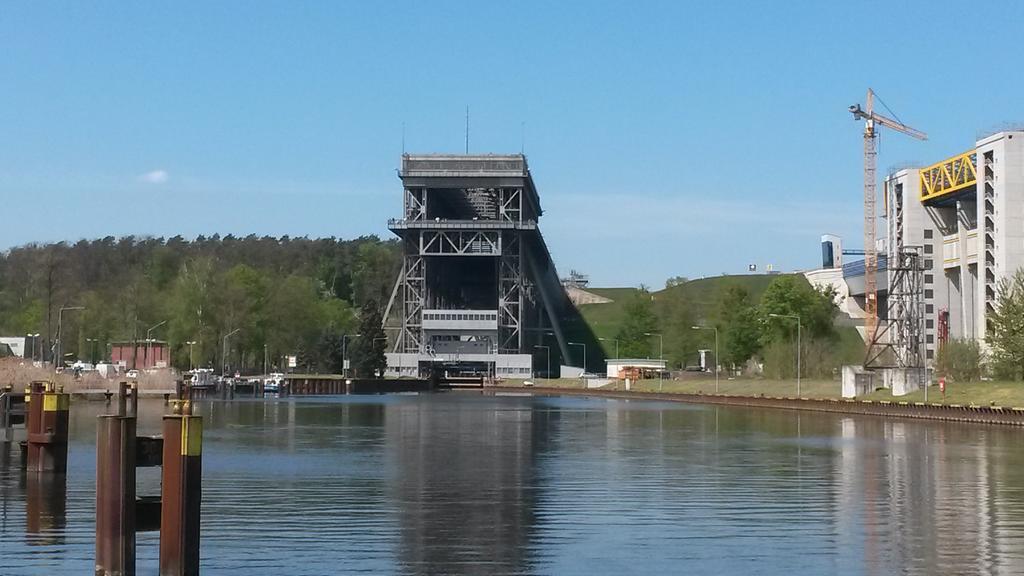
[(155, 177)]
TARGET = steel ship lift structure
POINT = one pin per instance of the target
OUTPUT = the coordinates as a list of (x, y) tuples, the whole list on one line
[(477, 291)]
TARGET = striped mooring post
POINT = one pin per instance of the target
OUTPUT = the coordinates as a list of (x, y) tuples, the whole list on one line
[(181, 493)]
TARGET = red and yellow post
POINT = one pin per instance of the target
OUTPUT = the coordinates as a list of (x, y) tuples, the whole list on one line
[(47, 427), (181, 494)]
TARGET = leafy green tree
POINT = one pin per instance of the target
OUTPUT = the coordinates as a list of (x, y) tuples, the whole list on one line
[(26, 318), (816, 308), (288, 294), (738, 323), (960, 360), (374, 273), (193, 312), (366, 353), (793, 296), (1006, 328), (640, 320), (677, 318), (676, 281)]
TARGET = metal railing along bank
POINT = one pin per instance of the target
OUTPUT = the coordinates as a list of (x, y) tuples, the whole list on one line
[(930, 411)]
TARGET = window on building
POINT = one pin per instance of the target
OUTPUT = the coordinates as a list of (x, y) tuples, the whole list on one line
[(928, 264), (929, 308), (927, 248), (929, 278), (928, 293), (927, 233), (929, 339), (929, 354), (929, 323)]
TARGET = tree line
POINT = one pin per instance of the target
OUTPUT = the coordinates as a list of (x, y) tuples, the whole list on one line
[(284, 296), (1002, 356), (760, 327)]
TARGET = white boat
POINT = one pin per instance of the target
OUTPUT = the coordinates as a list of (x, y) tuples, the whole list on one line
[(273, 383)]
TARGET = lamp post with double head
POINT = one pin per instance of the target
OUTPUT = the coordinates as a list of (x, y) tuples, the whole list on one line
[(149, 343), (92, 354), (59, 357), (373, 346), (33, 337), (191, 363), (583, 375), (616, 340), (661, 357), (224, 370), (344, 352)]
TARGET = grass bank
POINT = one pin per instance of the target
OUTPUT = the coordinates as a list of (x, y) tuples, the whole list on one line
[(21, 374), (1008, 394)]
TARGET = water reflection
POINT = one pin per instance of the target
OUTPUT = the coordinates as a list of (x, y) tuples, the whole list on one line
[(944, 498), (45, 509), (472, 484), (465, 481)]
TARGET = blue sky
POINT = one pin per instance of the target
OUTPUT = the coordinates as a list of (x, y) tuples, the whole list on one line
[(665, 138)]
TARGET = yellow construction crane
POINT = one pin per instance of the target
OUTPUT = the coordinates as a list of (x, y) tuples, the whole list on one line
[(871, 118)]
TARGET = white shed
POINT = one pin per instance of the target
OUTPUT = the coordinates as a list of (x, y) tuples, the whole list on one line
[(617, 367)]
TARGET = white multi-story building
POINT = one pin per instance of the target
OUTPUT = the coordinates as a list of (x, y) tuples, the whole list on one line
[(967, 212)]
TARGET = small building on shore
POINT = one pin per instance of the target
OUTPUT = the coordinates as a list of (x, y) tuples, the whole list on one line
[(141, 355), (634, 368), (16, 344)]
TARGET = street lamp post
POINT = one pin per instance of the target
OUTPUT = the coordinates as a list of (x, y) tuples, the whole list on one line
[(715, 328), (191, 364), (661, 356), (583, 375), (224, 370), (149, 343), (32, 355), (92, 356), (60, 323), (548, 350), (385, 339), (344, 352), (616, 340), (797, 346)]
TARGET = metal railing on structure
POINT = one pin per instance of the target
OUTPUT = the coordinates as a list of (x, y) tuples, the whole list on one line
[(948, 176), (400, 224)]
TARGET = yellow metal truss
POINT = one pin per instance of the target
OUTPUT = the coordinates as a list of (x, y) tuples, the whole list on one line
[(948, 176)]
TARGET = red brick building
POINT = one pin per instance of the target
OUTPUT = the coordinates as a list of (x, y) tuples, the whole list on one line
[(141, 355)]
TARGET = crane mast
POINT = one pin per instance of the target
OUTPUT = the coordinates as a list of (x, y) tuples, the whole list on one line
[(871, 118), (870, 241)]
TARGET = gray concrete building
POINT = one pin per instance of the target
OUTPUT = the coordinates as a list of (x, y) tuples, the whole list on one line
[(478, 292), (967, 214)]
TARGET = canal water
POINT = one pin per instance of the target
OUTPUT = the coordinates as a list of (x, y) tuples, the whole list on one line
[(463, 483)]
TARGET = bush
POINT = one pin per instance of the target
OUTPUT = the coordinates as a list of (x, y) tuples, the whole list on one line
[(960, 360), (819, 359)]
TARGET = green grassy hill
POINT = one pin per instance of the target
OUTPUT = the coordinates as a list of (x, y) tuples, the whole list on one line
[(605, 319), (693, 302)]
